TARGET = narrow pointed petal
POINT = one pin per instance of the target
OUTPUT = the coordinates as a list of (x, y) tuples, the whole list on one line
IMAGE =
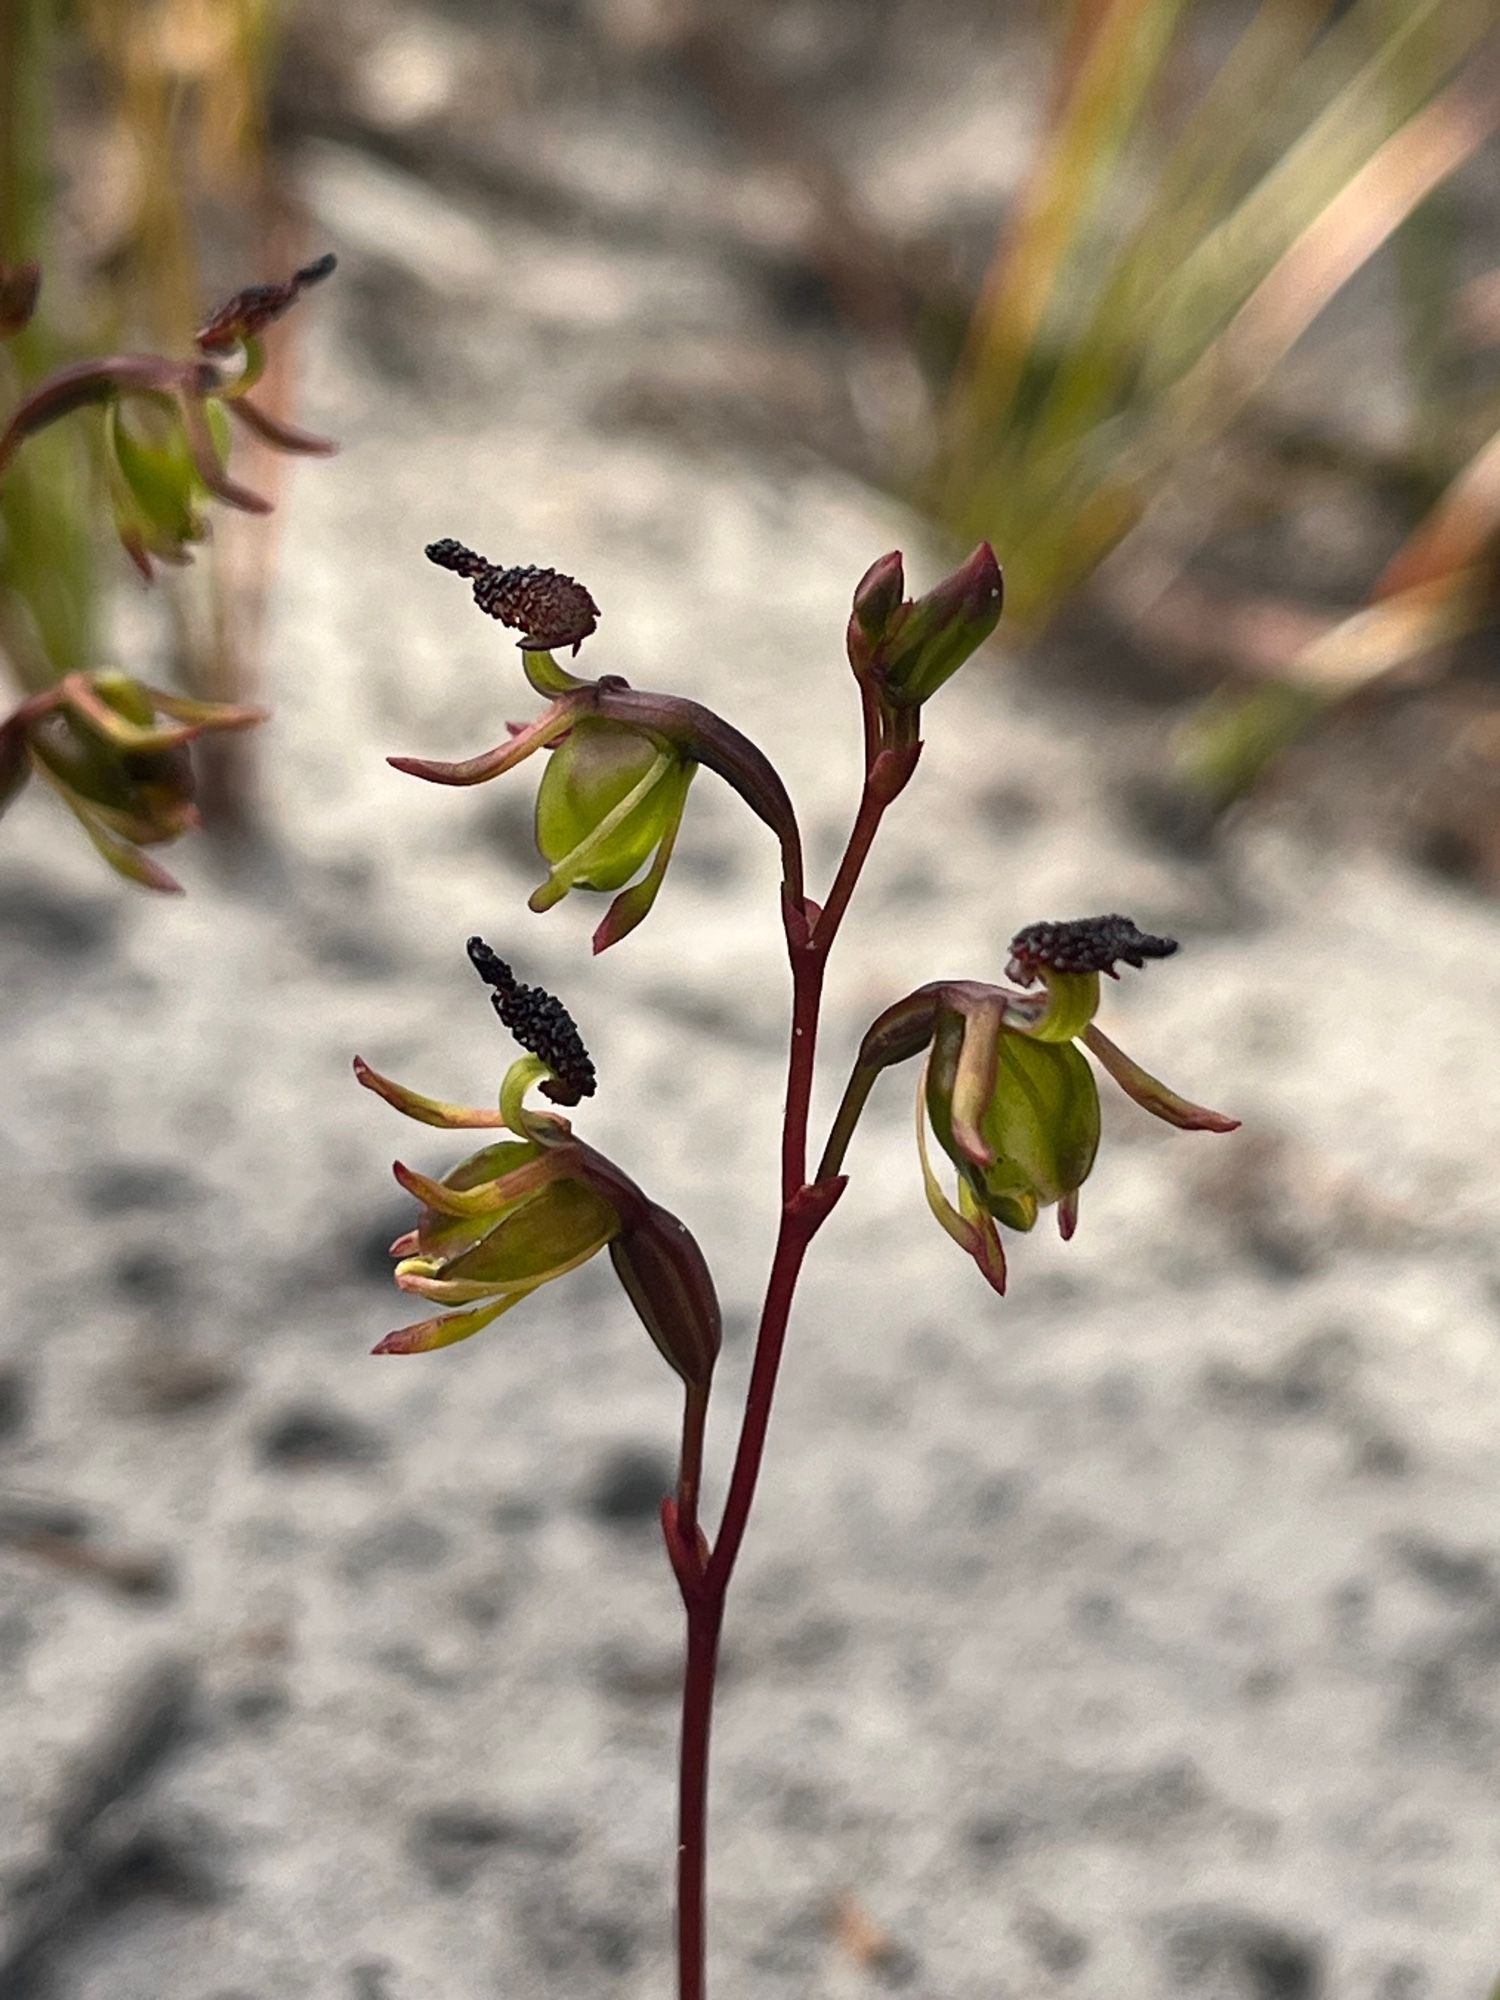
[(556, 722), (447, 1291), (135, 548), (446, 1330), (130, 861), (122, 854), (633, 905), (1067, 1216), (118, 729), (209, 466), (489, 1198), (206, 714), (974, 1078), (272, 431), (1151, 1095), (988, 1252), (426, 1110), (971, 1234)]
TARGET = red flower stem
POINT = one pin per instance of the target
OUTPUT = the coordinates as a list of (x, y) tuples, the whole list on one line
[(804, 1210), (807, 999), (690, 1461), (703, 1621)]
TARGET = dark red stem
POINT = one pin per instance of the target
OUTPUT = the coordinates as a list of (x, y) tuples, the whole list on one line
[(704, 1579), (703, 1620)]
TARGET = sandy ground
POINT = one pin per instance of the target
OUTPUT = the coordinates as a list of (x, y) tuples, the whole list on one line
[(1138, 1634)]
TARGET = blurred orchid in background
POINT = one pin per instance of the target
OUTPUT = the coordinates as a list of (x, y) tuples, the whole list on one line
[(113, 748), (115, 752), (167, 421)]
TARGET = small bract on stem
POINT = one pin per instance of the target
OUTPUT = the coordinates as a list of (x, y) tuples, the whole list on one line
[(1006, 1089)]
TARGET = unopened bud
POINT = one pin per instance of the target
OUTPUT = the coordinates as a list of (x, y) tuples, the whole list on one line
[(878, 594), (926, 643)]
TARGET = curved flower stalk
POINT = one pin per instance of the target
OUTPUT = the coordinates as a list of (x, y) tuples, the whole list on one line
[(115, 751), (531, 1207), (1005, 1090), (612, 798), (167, 421)]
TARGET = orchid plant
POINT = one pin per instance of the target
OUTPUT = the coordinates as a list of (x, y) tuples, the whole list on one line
[(1005, 1087), (113, 748)]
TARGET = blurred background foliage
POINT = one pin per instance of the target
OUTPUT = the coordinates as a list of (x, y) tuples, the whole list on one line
[(1095, 389), (1166, 250)]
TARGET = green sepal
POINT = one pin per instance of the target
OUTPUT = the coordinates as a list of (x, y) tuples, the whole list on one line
[(447, 1328), (1040, 1126), (551, 1231), (157, 488), (1043, 1120)]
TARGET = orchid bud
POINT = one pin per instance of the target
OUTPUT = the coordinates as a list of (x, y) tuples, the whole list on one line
[(905, 651), (530, 1208), (877, 597)]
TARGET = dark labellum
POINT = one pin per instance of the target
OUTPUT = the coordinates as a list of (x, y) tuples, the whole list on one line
[(541, 1024), (546, 607), (249, 312), (1086, 944)]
